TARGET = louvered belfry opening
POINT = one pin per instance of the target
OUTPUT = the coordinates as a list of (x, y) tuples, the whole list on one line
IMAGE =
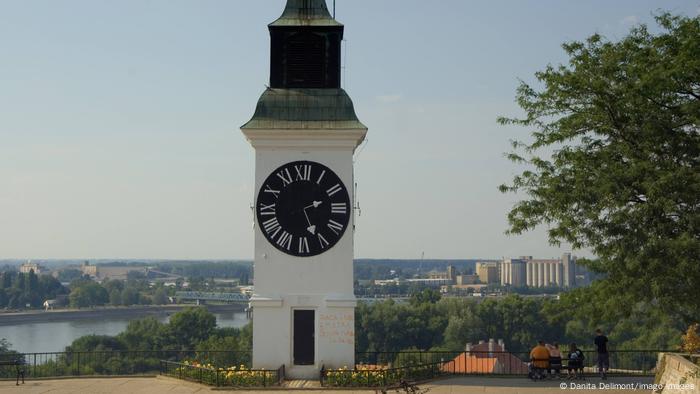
[(305, 47), (304, 65)]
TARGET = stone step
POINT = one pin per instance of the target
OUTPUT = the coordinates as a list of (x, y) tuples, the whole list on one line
[(302, 384)]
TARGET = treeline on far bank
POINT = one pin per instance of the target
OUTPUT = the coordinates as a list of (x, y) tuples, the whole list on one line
[(427, 322), (431, 322), (27, 290), (19, 290)]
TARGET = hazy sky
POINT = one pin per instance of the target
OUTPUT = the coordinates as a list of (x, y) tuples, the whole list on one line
[(119, 120)]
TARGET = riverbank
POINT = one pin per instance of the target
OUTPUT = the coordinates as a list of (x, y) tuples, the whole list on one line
[(131, 312)]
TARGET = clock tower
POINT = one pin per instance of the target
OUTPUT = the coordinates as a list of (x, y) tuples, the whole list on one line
[(304, 132)]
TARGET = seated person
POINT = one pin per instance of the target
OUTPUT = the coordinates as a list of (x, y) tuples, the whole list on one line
[(554, 359), (539, 357), (576, 358)]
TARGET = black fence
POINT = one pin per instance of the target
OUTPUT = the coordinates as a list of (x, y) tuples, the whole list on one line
[(621, 362), (222, 377), (60, 364)]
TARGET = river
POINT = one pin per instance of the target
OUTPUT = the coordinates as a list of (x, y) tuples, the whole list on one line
[(55, 336)]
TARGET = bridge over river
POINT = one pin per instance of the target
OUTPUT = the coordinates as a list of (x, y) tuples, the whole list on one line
[(203, 296)]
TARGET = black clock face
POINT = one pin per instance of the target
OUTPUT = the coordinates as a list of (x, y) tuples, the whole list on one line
[(303, 208)]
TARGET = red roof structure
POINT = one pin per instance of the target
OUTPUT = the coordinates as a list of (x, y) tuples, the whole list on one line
[(486, 358)]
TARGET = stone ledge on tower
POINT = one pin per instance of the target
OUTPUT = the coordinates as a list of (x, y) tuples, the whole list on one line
[(266, 302), (341, 301)]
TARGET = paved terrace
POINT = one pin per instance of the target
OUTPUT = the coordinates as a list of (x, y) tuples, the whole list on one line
[(456, 385)]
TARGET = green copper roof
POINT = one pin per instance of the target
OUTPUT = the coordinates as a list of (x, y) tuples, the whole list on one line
[(304, 109), (306, 13)]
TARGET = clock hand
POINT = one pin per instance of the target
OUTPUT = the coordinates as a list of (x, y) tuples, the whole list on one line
[(315, 204), (311, 228), (307, 216)]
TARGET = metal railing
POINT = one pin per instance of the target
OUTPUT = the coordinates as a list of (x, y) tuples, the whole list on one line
[(621, 362), (222, 377), (60, 364), (115, 362)]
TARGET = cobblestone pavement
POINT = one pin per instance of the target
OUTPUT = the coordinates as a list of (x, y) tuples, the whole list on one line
[(457, 385)]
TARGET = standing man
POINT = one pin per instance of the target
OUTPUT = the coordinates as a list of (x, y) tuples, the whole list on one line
[(601, 343)]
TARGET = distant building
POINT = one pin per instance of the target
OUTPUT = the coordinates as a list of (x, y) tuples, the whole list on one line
[(60, 300), (487, 272), (29, 266), (433, 282), (89, 270), (569, 270), (466, 279), (106, 272), (450, 274), (551, 272), (475, 288), (384, 282), (514, 272), (544, 273)]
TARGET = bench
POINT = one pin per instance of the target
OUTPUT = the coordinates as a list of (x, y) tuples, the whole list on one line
[(19, 367)]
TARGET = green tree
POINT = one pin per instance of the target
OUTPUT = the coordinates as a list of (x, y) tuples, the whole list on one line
[(115, 297), (114, 284), (191, 326), (160, 297), (130, 296), (88, 293), (32, 292), (5, 346), (69, 274), (427, 295), (6, 280), (20, 283), (463, 326), (145, 334), (89, 343), (228, 340), (613, 161)]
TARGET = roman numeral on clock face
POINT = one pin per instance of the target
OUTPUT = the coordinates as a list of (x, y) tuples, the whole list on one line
[(335, 189), (272, 227), (267, 210), (339, 208), (303, 245), (285, 176), (272, 191), (303, 172), (335, 226), (322, 240), (318, 182), (285, 240)]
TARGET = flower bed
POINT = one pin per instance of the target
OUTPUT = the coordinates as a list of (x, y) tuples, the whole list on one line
[(234, 376), (374, 376)]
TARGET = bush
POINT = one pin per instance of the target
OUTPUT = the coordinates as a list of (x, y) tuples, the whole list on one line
[(691, 339)]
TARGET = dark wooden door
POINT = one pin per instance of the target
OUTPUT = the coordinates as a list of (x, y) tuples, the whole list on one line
[(304, 337)]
